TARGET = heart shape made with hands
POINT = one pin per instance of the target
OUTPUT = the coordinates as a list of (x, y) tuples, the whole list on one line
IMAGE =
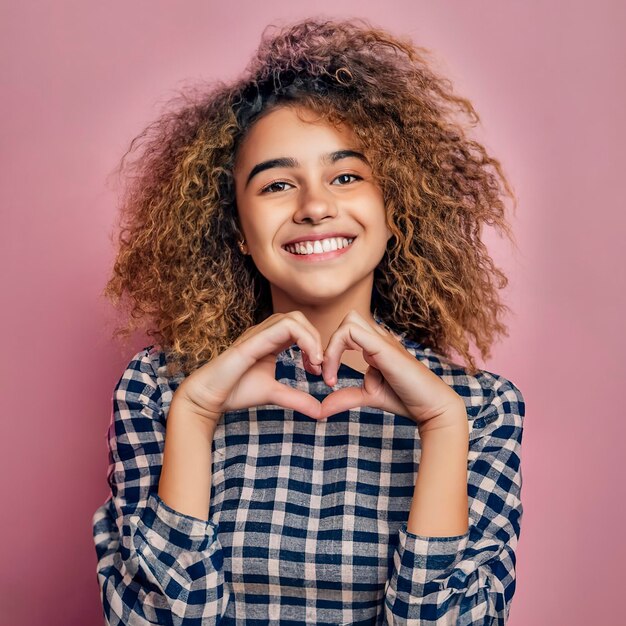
[(395, 380), (371, 392)]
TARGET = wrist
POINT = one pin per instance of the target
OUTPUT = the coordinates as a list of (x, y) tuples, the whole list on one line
[(193, 416), (450, 421)]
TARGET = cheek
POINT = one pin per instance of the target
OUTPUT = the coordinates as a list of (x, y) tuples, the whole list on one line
[(250, 222), (383, 234), (381, 222), (263, 239)]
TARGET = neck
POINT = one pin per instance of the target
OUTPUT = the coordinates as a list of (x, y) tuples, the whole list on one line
[(326, 316)]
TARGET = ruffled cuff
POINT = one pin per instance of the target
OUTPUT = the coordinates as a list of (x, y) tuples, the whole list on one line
[(421, 563)]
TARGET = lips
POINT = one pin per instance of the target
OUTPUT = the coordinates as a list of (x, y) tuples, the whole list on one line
[(321, 255), (318, 237)]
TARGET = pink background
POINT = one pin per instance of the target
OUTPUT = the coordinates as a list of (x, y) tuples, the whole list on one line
[(80, 79)]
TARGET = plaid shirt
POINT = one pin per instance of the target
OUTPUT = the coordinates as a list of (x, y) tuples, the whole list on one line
[(307, 520)]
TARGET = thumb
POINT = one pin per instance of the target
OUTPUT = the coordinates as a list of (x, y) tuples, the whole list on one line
[(285, 396), (342, 400)]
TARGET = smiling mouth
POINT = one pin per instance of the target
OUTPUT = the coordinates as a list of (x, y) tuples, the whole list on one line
[(313, 248)]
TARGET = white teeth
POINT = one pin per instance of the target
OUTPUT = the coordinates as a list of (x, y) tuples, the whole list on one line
[(319, 246)]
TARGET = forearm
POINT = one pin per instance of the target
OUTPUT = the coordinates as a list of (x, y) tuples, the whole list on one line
[(440, 505), (185, 481)]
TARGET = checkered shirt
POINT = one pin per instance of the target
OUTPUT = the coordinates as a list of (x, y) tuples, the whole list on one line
[(308, 520)]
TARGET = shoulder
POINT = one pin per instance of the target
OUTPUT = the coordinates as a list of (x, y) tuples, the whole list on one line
[(146, 374)]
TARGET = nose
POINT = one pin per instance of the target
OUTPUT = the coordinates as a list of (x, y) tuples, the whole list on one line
[(315, 204)]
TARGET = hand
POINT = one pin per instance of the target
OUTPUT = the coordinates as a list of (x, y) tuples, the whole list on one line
[(395, 380), (244, 375)]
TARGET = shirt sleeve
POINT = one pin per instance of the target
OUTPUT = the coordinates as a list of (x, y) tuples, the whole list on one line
[(469, 579), (155, 565)]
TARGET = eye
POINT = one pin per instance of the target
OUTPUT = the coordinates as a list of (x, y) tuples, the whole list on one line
[(268, 188), (349, 176)]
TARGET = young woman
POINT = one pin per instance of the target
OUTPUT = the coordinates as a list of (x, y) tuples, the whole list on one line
[(299, 447)]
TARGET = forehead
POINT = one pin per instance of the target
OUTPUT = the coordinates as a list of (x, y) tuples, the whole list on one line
[(290, 130)]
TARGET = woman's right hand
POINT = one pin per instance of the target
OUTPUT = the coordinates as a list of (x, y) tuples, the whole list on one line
[(243, 376)]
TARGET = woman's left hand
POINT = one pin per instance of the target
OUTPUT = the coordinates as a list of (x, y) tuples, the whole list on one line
[(395, 380)]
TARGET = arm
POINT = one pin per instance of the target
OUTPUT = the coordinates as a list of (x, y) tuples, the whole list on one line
[(185, 482), (156, 565), (440, 503), (469, 578)]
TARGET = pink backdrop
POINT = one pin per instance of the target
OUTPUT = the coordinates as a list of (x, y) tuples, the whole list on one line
[(80, 79)]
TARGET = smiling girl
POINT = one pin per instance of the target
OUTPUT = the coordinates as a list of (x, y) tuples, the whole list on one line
[(299, 447)]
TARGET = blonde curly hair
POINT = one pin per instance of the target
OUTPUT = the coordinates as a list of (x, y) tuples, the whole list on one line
[(179, 274)]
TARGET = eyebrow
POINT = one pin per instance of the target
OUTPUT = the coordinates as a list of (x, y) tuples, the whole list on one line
[(329, 158)]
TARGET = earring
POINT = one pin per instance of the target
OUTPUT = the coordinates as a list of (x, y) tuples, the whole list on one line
[(241, 247)]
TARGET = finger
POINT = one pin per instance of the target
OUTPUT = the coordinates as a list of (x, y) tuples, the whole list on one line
[(316, 357), (380, 330), (349, 336), (348, 398), (283, 332), (332, 360), (375, 393), (312, 353), (357, 318), (313, 347), (342, 400), (221, 375), (288, 397), (380, 395), (312, 368)]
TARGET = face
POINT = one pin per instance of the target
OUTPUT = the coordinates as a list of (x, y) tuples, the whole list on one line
[(305, 185)]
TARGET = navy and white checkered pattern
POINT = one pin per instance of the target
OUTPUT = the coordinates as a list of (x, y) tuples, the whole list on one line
[(308, 520)]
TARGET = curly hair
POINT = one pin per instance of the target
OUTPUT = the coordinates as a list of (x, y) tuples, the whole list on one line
[(178, 269)]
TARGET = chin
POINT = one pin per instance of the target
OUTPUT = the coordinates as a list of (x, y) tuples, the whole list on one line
[(317, 299), (312, 296)]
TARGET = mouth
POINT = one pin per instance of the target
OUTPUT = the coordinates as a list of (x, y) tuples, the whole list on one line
[(320, 248)]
